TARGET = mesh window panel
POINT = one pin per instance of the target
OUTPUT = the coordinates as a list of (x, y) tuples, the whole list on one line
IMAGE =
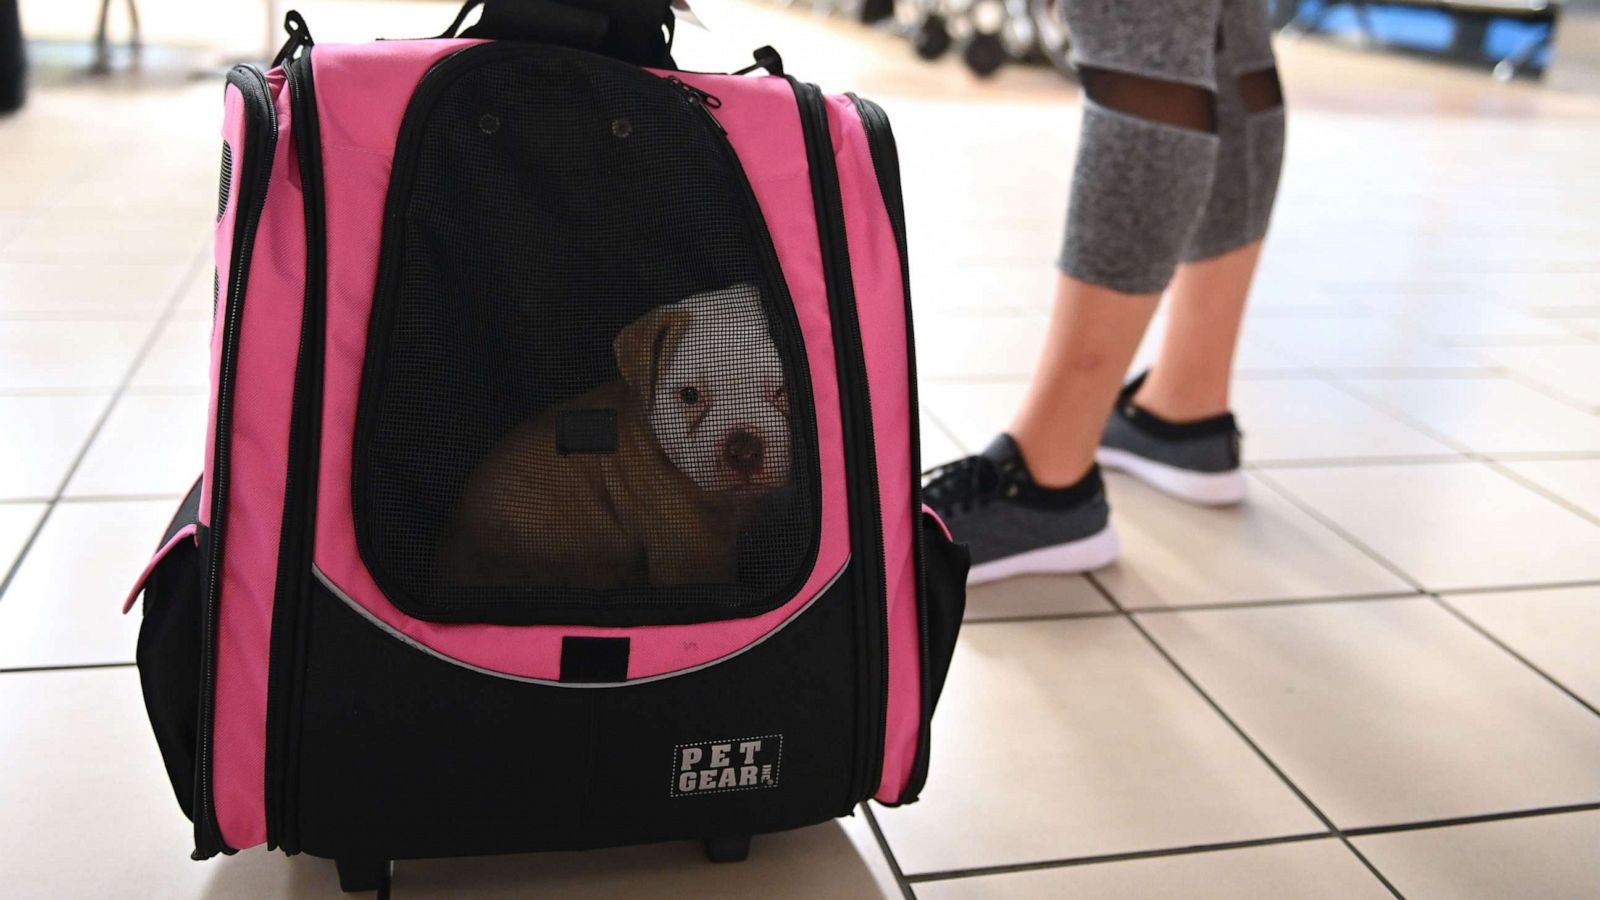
[(586, 399), (225, 180)]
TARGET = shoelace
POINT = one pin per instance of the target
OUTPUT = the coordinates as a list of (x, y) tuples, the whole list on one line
[(961, 485)]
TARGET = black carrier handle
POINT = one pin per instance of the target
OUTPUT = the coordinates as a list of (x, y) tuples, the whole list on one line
[(635, 31)]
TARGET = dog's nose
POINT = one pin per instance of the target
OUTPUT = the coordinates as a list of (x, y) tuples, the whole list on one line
[(742, 451)]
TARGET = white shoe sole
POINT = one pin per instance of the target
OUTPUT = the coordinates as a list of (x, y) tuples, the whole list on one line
[(1204, 488), (1085, 554)]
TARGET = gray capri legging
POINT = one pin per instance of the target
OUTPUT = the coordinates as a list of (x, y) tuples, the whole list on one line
[(1147, 195)]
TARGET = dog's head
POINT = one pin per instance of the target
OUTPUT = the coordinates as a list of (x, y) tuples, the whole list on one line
[(710, 377)]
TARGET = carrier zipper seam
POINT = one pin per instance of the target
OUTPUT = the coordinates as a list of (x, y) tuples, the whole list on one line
[(886, 168), (866, 518), (259, 154), (297, 534)]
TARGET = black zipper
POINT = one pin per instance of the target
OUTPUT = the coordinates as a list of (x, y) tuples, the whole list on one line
[(380, 327), (861, 461), (261, 140), (298, 534), (886, 166)]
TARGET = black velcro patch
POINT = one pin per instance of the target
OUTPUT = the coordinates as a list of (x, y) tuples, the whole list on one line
[(587, 431), (594, 659)]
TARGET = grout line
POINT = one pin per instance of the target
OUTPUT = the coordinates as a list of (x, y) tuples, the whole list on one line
[(1204, 607), (198, 265), (70, 667), (978, 871), (946, 430), (120, 498), (1473, 820), (1243, 736), (1364, 831), (1352, 461), (1505, 471), (1334, 527), (888, 854), (1044, 617), (1491, 638), (1508, 588)]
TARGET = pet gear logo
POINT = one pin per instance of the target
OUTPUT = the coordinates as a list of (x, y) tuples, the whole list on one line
[(715, 767)]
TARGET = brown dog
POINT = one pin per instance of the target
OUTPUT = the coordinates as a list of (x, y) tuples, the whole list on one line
[(647, 480)]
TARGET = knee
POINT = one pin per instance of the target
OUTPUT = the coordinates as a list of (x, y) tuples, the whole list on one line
[(1157, 100)]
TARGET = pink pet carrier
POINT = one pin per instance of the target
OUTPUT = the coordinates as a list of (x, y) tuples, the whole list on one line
[(562, 485)]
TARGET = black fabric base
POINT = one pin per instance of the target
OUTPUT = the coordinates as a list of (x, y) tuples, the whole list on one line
[(403, 755)]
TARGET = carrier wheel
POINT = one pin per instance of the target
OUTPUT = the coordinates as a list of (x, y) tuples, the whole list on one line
[(360, 875), (984, 54), (931, 40), (728, 849)]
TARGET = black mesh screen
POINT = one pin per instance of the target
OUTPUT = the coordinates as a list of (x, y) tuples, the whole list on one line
[(225, 180), (585, 400)]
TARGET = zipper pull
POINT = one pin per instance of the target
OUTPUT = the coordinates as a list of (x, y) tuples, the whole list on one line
[(699, 100), (299, 36), (766, 58)]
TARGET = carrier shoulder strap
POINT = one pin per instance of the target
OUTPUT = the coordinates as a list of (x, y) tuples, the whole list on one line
[(635, 31)]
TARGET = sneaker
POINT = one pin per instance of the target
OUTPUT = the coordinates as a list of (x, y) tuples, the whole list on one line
[(1194, 461), (1013, 526)]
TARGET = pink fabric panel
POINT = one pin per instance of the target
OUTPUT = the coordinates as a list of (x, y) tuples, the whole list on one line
[(880, 304), (943, 528), (222, 253), (258, 460), (188, 533), (360, 119)]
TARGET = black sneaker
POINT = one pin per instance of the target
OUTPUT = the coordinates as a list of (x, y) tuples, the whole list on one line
[(1194, 461), (1012, 525)]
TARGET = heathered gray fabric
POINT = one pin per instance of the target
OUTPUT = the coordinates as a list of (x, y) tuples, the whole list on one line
[(1210, 453), (1129, 234), (1137, 191), (1250, 152)]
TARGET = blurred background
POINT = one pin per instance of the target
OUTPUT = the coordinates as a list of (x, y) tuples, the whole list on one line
[(1376, 678)]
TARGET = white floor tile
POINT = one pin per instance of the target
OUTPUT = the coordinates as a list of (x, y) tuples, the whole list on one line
[(1550, 857), (1177, 554), (76, 236), (1034, 595), (1486, 415), (1389, 711), (1575, 480), (1452, 525), (17, 521), (1571, 372), (1308, 870), (82, 771), (150, 444), (1359, 343), (64, 605), (1306, 419), (180, 357), (1076, 739), (43, 435), (1553, 629), (107, 291), (974, 412), (54, 356)]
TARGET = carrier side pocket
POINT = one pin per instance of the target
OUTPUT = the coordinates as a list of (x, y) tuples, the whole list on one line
[(944, 601), (168, 653)]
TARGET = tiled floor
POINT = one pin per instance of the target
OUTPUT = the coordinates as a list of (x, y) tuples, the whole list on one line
[(1377, 678)]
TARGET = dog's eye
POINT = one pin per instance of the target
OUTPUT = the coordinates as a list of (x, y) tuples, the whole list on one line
[(689, 395), (780, 398)]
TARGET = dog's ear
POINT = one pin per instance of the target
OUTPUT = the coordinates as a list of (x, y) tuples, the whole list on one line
[(645, 342)]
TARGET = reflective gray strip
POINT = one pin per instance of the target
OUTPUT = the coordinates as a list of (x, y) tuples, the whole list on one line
[(413, 642)]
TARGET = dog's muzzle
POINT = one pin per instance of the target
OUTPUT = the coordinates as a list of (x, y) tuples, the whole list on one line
[(743, 452)]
